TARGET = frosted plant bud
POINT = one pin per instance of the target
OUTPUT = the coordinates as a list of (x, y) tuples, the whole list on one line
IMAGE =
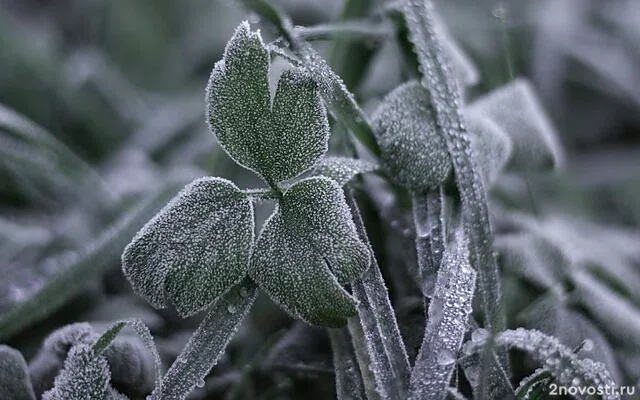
[(515, 108), (307, 249), (195, 249), (414, 155), (342, 169), (279, 139)]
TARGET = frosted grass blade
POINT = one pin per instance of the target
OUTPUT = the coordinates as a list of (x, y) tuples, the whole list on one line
[(207, 344), (388, 355), (447, 322), (349, 384)]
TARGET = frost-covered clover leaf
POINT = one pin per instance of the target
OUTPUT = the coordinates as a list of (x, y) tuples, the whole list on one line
[(307, 249), (194, 249), (413, 154), (278, 139)]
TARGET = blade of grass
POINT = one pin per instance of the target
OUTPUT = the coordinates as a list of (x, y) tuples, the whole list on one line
[(208, 343)]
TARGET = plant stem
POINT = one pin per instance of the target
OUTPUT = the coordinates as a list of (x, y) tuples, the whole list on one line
[(388, 355), (428, 215)]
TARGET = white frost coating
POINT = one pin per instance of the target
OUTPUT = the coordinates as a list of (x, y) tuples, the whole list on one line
[(559, 360), (342, 169), (515, 108), (448, 320), (85, 377), (307, 249), (279, 139), (194, 249), (414, 155)]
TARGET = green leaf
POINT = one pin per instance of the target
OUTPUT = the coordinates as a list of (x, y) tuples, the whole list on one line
[(307, 249), (14, 377), (277, 141), (516, 110), (413, 154), (194, 249), (342, 169)]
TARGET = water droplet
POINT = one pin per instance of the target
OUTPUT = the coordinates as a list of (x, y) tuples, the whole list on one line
[(445, 357), (200, 383), (587, 345), (244, 292), (231, 309), (575, 381)]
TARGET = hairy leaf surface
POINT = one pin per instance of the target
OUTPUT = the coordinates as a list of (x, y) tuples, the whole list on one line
[(194, 249), (279, 140), (307, 249)]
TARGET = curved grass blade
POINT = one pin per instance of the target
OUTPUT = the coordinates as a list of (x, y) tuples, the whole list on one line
[(349, 384), (32, 140), (388, 356), (447, 322), (90, 263), (207, 344), (438, 79), (561, 362)]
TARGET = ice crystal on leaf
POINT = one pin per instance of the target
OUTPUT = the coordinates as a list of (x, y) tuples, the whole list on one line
[(279, 139), (307, 249), (342, 169), (194, 249)]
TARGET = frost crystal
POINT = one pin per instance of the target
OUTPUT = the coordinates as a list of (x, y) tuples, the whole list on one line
[(280, 140), (194, 249), (307, 248), (413, 154), (342, 169), (85, 377)]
